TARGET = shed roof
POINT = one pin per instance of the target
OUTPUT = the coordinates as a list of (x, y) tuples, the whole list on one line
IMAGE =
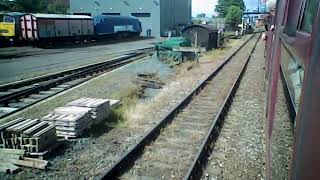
[(61, 16), (207, 27)]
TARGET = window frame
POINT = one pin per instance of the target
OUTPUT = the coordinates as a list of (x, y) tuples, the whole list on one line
[(141, 15), (111, 14), (12, 18), (302, 16)]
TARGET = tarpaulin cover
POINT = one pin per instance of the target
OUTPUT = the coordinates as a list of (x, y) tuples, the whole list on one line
[(164, 49)]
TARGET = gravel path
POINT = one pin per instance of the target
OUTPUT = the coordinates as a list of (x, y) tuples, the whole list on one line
[(107, 143), (239, 150), (282, 139)]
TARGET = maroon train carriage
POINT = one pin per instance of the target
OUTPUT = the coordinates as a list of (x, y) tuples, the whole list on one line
[(49, 28), (293, 53)]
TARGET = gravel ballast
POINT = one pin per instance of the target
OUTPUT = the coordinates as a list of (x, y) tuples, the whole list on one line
[(239, 150), (91, 155), (282, 139)]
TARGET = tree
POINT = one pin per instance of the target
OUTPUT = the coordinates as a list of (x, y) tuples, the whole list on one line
[(5, 5), (223, 6), (34, 6), (30, 6), (57, 7), (234, 15), (202, 15)]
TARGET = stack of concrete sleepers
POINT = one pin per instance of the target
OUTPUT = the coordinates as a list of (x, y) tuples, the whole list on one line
[(31, 135), (70, 122), (100, 107)]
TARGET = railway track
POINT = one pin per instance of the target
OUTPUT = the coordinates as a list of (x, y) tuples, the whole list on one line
[(19, 95), (179, 145)]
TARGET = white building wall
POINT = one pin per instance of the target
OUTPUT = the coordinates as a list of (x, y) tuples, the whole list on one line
[(164, 14)]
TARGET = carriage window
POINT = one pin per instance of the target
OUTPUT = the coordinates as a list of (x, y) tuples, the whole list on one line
[(8, 19), (308, 15), (1, 18)]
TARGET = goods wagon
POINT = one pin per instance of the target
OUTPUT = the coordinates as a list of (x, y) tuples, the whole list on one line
[(45, 28), (10, 30), (122, 26)]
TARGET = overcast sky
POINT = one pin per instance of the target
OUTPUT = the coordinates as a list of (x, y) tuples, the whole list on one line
[(207, 6)]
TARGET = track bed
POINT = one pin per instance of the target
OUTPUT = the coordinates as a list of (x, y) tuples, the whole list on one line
[(239, 150), (173, 152)]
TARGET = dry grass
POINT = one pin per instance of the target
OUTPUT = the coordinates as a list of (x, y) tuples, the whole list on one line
[(129, 98), (223, 51)]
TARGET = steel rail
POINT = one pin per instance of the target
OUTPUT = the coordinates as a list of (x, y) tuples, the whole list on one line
[(63, 74), (19, 84), (128, 159), (84, 72), (200, 160), (63, 78)]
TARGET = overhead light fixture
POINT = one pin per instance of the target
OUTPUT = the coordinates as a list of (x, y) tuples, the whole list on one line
[(126, 3), (97, 3), (156, 3)]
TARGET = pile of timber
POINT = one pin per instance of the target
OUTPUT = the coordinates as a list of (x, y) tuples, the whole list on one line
[(31, 135), (149, 81), (70, 122), (100, 108), (12, 159), (79, 115)]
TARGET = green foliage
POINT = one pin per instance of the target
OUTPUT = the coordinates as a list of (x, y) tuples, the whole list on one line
[(233, 16), (4, 5), (223, 6), (202, 15), (33, 6), (197, 21), (57, 7), (30, 6)]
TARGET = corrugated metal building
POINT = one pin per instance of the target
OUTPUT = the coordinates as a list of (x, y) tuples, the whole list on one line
[(157, 16)]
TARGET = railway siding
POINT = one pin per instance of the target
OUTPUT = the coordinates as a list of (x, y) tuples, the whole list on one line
[(170, 156), (239, 151)]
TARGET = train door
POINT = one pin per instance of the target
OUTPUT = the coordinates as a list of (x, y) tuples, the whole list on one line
[(146, 23), (84, 27), (46, 28), (75, 27), (29, 27), (62, 28), (90, 27)]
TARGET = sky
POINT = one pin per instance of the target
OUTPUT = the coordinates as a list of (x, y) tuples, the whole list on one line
[(207, 6)]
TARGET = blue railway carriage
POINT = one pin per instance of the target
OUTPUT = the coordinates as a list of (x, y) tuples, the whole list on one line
[(122, 26), (50, 28)]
